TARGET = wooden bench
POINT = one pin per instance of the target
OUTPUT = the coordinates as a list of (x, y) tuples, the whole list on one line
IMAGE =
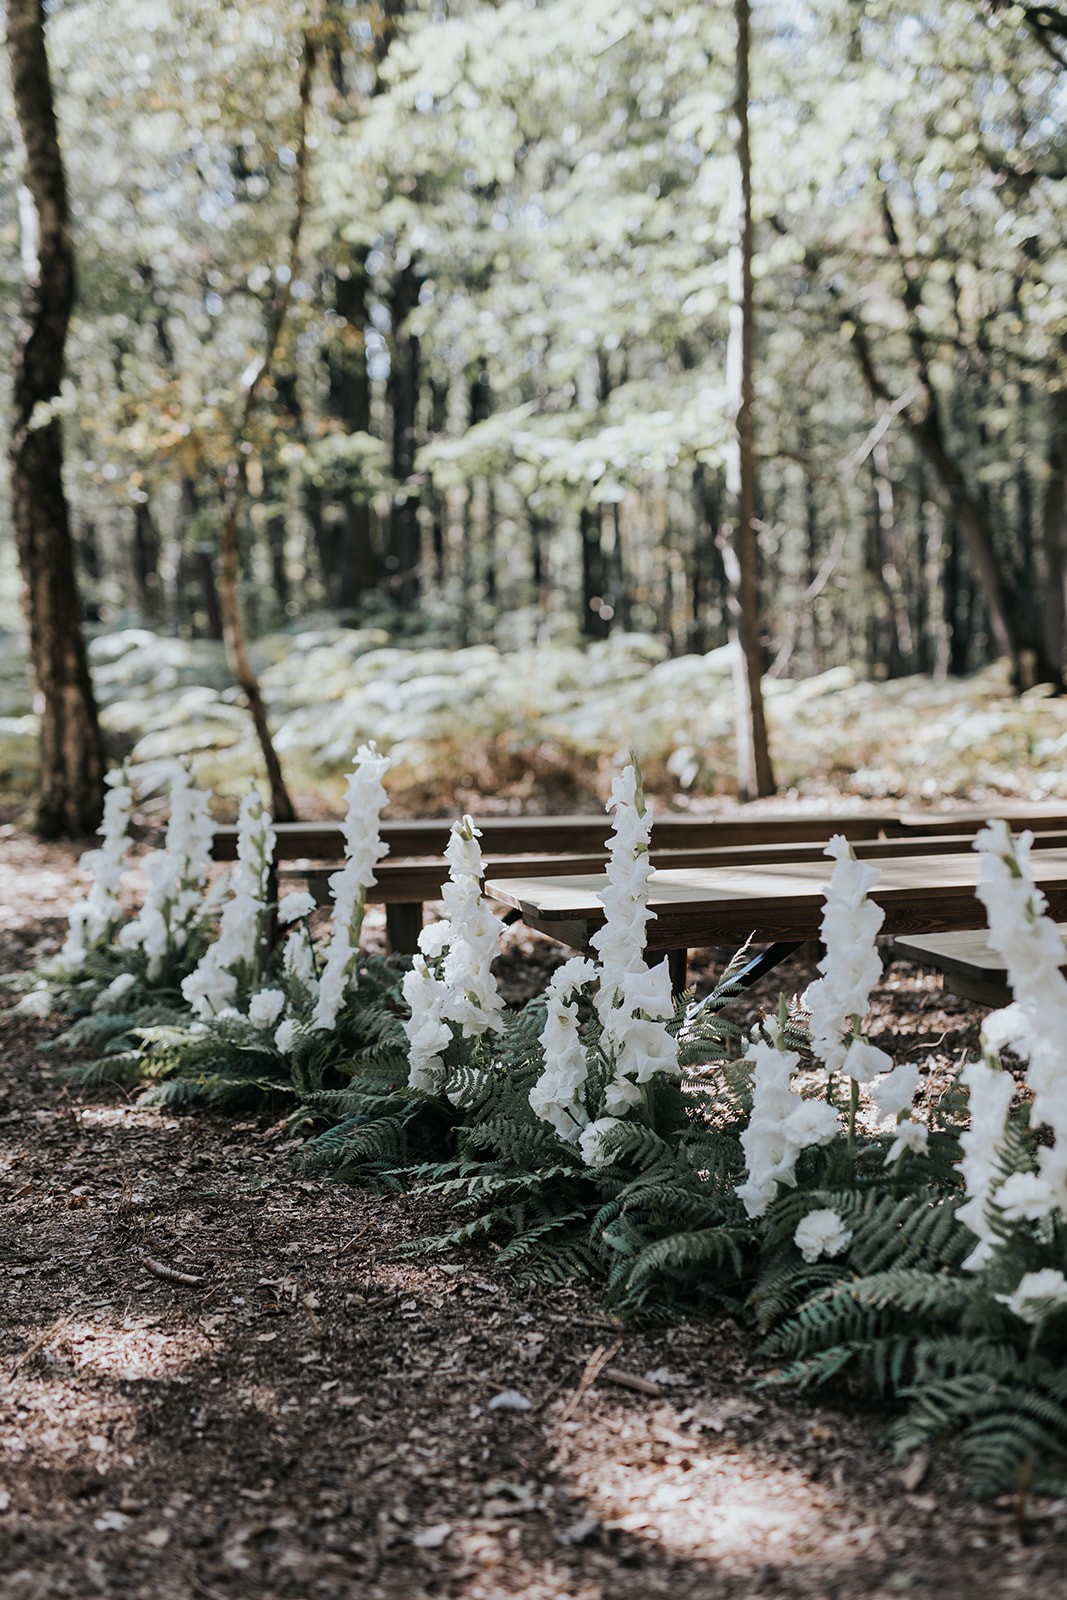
[(528, 847), (415, 870), (924, 890), (967, 965)]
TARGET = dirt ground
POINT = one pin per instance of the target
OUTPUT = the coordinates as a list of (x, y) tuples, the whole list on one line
[(216, 1380)]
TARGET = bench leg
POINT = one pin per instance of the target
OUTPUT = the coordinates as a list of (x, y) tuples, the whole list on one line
[(403, 924), (678, 967), (766, 961)]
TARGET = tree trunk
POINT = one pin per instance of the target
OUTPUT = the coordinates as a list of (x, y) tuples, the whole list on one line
[(356, 569), (70, 802), (145, 562), (1054, 526), (755, 775), (404, 554), (1008, 620), (236, 494), (594, 623)]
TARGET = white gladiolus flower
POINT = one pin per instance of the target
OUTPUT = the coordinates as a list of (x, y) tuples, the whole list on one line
[(265, 1007), (465, 941), (213, 983), (433, 940), (114, 991), (428, 1033), (1026, 1197), (364, 848), (894, 1094), (821, 1233), (1037, 1293), (473, 999), (812, 1122), (864, 1061), (851, 966), (1036, 1025), (782, 1124), (910, 1136), (593, 1139), (634, 1002), (286, 1036), (1003, 1029), (990, 1097), (94, 918), (298, 958), (557, 1096), (295, 905), (620, 943), (177, 875)]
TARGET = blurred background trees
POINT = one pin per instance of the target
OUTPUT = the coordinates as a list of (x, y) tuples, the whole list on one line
[(498, 409)]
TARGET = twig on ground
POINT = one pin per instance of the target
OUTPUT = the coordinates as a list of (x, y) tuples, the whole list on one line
[(38, 1344), (630, 1380), (159, 1269), (602, 1355)]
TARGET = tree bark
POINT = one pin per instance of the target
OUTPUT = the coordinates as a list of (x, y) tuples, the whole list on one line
[(1011, 627), (755, 774), (405, 545), (234, 633), (1054, 525), (70, 801), (355, 570)]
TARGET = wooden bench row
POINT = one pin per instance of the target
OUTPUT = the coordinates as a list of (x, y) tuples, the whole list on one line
[(521, 847), (414, 871)]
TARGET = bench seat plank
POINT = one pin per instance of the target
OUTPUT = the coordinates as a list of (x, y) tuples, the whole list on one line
[(921, 893), (968, 965), (560, 835)]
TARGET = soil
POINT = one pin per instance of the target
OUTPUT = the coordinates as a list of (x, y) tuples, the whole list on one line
[(218, 1380)]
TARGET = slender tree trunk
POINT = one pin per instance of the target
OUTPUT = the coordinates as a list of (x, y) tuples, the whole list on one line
[(355, 569), (1009, 622), (146, 562), (594, 624), (70, 800), (436, 497), (404, 552), (1054, 526), (755, 774), (237, 485)]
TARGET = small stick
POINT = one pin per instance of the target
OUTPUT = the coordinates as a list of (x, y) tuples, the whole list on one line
[(159, 1269), (49, 1333), (593, 1368), (630, 1380)]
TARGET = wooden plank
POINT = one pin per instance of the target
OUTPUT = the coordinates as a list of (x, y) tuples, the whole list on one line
[(419, 836), (1018, 814), (967, 954), (922, 893), (411, 881), (324, 841)]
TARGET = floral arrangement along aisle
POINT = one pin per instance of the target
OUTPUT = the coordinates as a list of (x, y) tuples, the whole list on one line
[(790, 1172)]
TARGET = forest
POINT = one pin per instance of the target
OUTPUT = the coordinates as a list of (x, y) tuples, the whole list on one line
[(585, 486), (435, 302)]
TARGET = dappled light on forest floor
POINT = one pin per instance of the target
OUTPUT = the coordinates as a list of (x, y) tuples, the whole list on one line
[(728, 1506)]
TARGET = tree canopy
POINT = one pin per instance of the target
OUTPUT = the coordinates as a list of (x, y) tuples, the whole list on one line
[(499, 403)]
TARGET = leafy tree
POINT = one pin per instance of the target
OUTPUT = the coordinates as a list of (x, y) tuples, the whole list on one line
[(71, 753)]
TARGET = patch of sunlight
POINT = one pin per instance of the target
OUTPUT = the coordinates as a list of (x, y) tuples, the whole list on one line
[(138, 1349), (124, 1117), (724, 1503), (56, 1424)]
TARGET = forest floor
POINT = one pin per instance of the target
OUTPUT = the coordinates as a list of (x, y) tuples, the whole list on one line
[(217, 1379)]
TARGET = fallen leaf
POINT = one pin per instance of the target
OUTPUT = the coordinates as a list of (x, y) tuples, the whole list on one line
[(509, 1400), (433, 1537)]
